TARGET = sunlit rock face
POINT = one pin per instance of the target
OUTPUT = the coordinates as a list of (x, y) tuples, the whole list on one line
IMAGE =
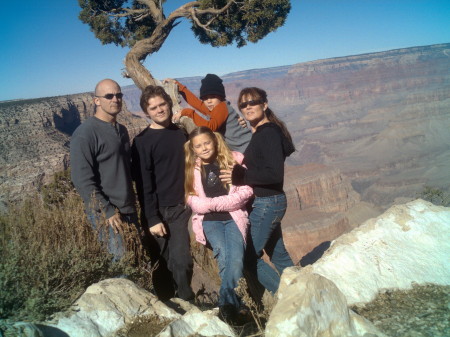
[(406, 244), (311, 305)]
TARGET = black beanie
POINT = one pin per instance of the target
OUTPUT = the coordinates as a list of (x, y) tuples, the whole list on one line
[(212, 85)]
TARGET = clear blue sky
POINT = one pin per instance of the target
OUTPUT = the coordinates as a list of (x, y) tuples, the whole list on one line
[(47, 51)]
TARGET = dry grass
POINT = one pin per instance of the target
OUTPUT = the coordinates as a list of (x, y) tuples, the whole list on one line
[(50, 255), (259, 311)]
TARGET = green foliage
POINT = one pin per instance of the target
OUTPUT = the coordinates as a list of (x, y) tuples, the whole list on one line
[(436, 196), (49, 254), (112, 21), (244, 21), (108, 23)]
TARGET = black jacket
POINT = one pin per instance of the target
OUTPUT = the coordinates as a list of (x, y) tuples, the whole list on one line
[(264, 158)]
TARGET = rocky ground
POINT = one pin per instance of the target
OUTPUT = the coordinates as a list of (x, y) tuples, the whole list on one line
[(423, 311)]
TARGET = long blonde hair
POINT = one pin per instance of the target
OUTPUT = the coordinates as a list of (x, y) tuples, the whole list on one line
[(224, 157)]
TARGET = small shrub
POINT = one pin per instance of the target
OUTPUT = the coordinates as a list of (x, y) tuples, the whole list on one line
[(50, 254), (259, 311), (435, 196)]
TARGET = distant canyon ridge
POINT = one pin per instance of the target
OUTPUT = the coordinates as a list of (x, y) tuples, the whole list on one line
[(370, 130)]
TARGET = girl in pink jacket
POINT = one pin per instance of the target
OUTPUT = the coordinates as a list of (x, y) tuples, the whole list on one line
[(220, 218)]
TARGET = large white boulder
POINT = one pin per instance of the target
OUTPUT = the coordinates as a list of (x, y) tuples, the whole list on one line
[(198, 323), (407, 244), (309, 305), (107, 306)]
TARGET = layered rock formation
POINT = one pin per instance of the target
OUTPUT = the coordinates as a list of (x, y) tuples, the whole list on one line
[(381, 118), (35, 136), (321, 202)]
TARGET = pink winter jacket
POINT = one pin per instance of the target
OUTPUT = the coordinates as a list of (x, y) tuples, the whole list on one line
[(234, 203)]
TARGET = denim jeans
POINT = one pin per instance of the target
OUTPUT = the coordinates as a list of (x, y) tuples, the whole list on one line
[(228, 247), (114, 241), (266, 234)]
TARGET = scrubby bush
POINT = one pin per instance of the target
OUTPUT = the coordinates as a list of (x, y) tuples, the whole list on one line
[(49, 254), (436, 196)]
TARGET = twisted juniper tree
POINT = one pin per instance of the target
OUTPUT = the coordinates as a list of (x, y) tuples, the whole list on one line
[(143, 26)]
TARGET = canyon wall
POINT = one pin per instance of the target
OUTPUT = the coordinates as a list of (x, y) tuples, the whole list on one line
[(322, 205), (35, 137), (382, 119)]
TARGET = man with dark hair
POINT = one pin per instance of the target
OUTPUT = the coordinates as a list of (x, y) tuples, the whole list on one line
[(158, 165), (100, 159)]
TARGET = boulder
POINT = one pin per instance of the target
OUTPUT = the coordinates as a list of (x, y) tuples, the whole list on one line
[(407, 244), (309, 305), (198, 323), (107, 306)]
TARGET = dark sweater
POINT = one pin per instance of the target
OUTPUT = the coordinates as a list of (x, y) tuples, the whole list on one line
[(158, 169), (100, 165), (264, 158)]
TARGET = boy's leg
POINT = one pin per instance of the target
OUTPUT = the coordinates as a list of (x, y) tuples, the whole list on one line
[(178, 245)]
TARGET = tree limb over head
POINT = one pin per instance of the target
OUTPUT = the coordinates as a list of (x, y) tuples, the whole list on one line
[(214, 22), (142, 25)]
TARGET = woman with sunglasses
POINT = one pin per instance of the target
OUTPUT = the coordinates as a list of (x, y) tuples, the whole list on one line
[(264, 158)]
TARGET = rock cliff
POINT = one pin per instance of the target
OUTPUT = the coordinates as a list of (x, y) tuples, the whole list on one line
[(381, 118), (321, 204), (35, 136)]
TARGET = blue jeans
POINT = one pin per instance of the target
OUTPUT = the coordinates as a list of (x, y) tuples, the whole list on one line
[(113, 241), (228, 247), (266, 234)]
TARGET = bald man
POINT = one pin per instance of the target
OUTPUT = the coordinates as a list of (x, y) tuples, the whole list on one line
[(100, 166)]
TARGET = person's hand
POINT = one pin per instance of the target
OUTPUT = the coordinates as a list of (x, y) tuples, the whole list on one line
[(176, 117), (225, 175), (158, 230), (168, 80), (242, 122), (115, 222)]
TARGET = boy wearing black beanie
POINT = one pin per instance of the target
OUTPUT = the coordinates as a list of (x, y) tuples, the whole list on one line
[(215, 112)]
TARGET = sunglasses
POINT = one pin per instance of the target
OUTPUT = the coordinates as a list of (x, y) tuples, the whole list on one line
[(110, 96), (253, 102)]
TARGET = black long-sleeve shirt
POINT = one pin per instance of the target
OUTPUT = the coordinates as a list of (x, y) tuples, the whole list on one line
[(264, 158), (158, 169)]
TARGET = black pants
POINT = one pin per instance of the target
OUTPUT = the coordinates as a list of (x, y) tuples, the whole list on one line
[(174, 274)]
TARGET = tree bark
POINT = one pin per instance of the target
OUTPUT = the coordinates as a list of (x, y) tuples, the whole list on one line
[(133, 61), (136, 71)]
